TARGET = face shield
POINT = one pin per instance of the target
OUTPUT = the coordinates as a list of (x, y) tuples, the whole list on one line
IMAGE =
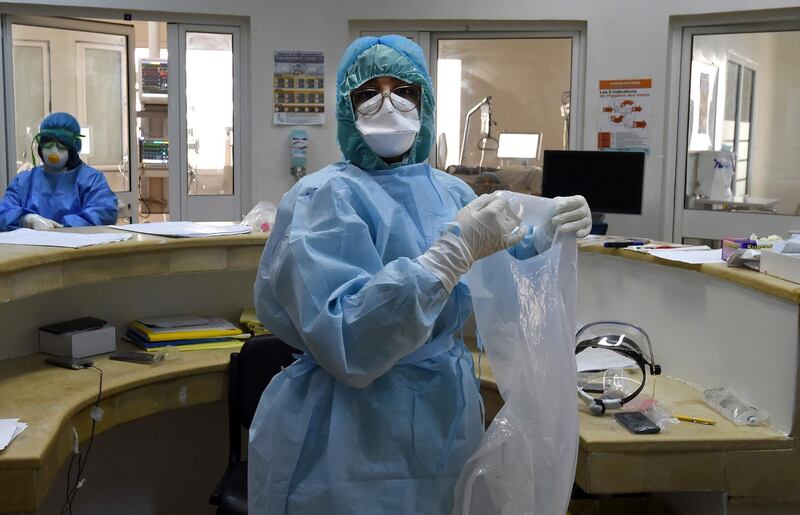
[(613, 359)]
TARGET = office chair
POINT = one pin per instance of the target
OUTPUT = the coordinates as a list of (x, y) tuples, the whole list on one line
[(250, 372)]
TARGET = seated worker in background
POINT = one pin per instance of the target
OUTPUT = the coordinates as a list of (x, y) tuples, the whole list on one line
[(64, 191), (362, 273)]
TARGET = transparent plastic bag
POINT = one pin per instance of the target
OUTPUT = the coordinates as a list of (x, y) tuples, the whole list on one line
[(261, 217), (525, 314)]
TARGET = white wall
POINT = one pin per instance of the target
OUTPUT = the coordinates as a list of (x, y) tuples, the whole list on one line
[(626, 39)]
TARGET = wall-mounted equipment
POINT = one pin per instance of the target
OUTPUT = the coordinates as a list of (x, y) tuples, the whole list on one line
[(155, 153), (153, 81)]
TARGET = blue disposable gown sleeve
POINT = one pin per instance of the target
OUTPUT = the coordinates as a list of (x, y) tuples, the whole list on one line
[(525, 248), (98, 203), (12, 207), (323, 287)]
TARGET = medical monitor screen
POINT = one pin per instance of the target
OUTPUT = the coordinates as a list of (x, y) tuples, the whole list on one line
[(610, 181), (154, 77), (155, 151)]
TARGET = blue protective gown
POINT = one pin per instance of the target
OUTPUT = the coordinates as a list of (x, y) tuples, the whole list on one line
[(72, 198), (382, 409)]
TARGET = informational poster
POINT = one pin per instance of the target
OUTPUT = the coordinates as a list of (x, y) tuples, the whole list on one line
[(298, 88), (626, 107)]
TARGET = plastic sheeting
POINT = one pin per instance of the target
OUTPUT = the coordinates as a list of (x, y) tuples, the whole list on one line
[(525, 314)]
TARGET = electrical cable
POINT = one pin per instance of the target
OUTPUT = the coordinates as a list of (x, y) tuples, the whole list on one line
[(72, 492), (143, 201)]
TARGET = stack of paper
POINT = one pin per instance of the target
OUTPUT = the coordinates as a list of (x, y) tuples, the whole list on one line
[(185, 332), (10, 428), (186, 229), (694, 257), (72, 240)]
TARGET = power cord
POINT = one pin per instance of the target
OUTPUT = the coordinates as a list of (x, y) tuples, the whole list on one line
[(96, 414), (143, 201)]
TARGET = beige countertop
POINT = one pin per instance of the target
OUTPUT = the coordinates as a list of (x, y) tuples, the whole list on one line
[(764, 283), (687, 456), (51, 400), (604, 434), (29, 270)]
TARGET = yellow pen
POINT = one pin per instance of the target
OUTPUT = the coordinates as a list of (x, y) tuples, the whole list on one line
[(696, 420)]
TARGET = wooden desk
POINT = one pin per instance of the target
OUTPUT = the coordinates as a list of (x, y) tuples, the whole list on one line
[(119, 282), (711, 326), (687, 457), (143, 276), (52, 400)]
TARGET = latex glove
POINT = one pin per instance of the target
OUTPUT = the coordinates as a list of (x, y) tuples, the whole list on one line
[(487, 224), (570, 215), (39, 223)]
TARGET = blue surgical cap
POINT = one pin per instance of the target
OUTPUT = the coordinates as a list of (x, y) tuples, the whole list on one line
[(62, 127), (370, 57)]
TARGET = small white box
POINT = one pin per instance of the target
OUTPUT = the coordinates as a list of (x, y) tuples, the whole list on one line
[(79, 344), (785, 266)]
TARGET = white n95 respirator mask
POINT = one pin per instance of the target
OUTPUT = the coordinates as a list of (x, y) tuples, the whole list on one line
[(389, 132), (55, 158)]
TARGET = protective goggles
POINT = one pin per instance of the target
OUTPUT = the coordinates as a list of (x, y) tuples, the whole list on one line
[(50, 143), (623, 339), (369, 101)]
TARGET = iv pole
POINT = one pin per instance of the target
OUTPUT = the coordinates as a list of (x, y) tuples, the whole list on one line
[(486, 125)]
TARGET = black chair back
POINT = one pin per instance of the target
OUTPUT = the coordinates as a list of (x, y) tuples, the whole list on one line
[(251, 370)]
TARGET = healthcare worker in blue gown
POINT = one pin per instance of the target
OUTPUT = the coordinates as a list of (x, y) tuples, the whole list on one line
[(63, 191), (362, 275)]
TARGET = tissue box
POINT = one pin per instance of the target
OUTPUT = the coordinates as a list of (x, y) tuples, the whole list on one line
[(731, 245), (785, 266), (79, 344)]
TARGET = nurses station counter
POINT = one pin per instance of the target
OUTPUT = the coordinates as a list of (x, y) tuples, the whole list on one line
[(710, 326), (119, 282)]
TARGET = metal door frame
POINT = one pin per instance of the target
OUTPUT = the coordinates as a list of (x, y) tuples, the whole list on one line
[(179, 198), (693, 223), (427, 33), (128, 197), (576, 67)]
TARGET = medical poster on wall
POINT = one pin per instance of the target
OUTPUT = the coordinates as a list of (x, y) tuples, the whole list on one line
[(626, 107), (298, 88)]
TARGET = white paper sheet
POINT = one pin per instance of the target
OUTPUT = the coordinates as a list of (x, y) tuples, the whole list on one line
[(72, 240), (10, 428), (601, 359), (647, 249), (790, 246), (186, 229), (694, 257)]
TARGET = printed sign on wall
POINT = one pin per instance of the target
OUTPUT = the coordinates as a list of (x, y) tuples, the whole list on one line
[(298, 88), (626, 107)]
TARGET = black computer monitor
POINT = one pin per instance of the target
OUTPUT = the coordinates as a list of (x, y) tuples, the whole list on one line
[(612, 182)]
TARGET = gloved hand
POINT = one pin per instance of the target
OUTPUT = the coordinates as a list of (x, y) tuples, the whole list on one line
[(488, 224), (39, 223), (570, 214)]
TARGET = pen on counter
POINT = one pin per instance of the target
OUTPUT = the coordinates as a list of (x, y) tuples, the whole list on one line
[(624, 243), (696, 420)]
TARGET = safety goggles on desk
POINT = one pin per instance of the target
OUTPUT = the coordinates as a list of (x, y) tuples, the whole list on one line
[(618, 387)]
